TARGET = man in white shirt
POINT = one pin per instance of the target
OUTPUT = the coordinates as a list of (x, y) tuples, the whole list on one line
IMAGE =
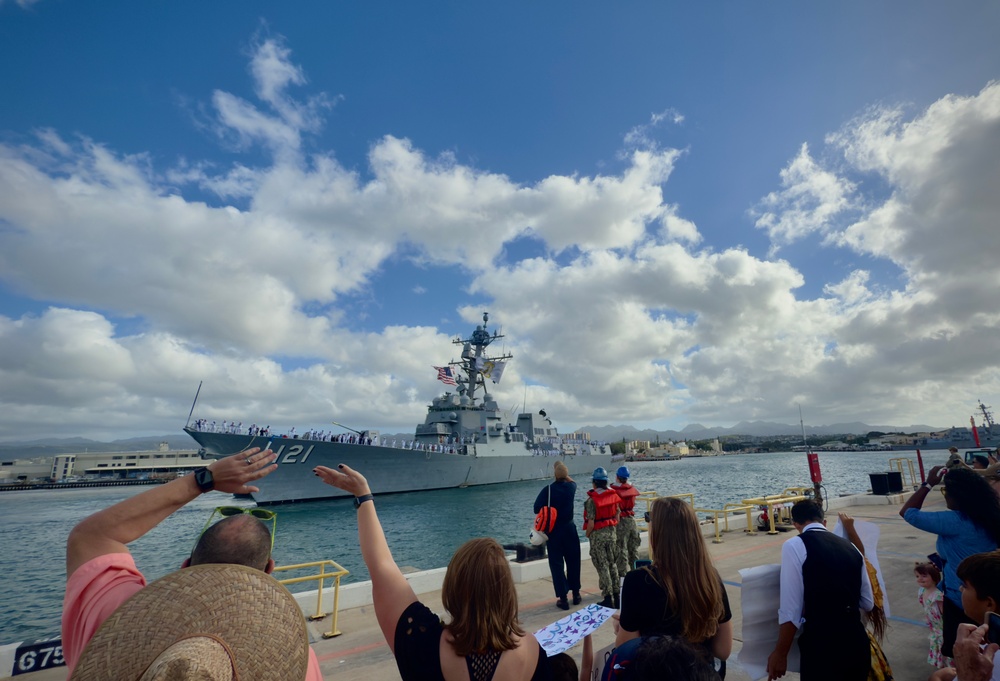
[(824, 587)]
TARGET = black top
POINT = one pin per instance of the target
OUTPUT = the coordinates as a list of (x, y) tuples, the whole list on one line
[(418, 647), (563, 495), (645, 608)]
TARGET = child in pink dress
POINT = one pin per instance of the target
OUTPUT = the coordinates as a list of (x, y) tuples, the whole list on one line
[(930, 597)]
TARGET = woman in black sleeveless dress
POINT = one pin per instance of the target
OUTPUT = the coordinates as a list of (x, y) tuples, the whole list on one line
[(483, 636)]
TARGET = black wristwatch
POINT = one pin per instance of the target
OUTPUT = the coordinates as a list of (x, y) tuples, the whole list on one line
[(362, 499), (203, 478)]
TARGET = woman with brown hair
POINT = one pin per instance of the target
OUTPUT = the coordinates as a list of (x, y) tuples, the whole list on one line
[(681, 593), (484, 637)]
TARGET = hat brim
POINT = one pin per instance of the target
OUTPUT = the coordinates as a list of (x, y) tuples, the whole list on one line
[(255, 615)]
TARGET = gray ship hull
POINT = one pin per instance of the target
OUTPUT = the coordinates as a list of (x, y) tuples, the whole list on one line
[(962, 444), (392, 469)]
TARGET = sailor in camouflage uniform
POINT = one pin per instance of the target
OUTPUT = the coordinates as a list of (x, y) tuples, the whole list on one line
[(628, 533), (600, 516)]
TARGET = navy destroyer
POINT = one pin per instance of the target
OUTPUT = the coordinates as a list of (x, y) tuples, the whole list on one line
[(465, 440), (986, 435)]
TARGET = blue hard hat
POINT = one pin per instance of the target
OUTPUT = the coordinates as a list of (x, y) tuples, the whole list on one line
[(600, 474), (622, 472)]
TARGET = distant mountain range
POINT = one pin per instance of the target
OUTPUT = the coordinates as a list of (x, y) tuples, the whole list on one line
[(72, 445), (696, 431), (609, 433)]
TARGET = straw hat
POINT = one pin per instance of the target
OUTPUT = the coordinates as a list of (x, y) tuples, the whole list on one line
[(211, 622)]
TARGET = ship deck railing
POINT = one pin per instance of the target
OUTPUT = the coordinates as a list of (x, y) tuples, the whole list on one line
[(320, 578)]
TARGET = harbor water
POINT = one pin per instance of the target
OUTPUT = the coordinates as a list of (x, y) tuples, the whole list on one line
[(423, 528)]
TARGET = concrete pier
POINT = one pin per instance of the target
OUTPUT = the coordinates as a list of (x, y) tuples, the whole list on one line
[(360, 652)]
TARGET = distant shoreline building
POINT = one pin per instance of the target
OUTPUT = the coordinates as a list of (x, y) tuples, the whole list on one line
[(106, 465), (637, 450)]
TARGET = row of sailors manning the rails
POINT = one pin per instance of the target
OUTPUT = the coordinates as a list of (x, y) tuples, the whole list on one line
[(236, 428)]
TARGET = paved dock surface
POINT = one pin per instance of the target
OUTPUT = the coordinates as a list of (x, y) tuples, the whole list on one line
[(361, 653)]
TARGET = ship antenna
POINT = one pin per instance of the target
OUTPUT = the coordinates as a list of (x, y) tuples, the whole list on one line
[(814, 471), (802, 425), (197, 392)]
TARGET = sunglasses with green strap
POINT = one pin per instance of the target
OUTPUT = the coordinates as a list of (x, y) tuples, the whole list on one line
[(261, 514)]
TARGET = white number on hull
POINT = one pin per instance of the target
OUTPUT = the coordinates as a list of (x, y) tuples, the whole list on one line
[(293, 452)]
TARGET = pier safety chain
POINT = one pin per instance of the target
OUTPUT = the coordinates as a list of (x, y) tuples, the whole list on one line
[(323, 575)]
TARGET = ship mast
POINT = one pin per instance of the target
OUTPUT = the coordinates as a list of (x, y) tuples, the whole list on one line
[(987, 416), (474, 358)]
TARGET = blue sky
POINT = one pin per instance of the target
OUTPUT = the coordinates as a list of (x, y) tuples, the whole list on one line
[(677, 212)]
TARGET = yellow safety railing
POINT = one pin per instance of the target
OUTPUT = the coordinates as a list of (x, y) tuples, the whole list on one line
[(775, 503), (733, 509), (323, 575), (725, 513), (647, 498), (897, 464)]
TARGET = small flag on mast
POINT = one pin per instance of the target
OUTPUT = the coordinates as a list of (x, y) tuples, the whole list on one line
[(446, 375), (497, 371)]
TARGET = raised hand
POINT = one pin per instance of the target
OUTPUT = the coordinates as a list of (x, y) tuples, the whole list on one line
[(345, 478), (847, 521), (936, 475), (232, 473)]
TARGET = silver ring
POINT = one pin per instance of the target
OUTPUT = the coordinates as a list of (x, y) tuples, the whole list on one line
[(249, 462)]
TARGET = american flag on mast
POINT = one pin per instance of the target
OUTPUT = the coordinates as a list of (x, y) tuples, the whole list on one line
[(446, 375)]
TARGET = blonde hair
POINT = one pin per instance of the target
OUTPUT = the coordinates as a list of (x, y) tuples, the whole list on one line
[(684, 568), (562, 472), (478, 592)]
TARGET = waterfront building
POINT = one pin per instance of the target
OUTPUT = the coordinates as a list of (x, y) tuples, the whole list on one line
[(101, 465), (20, 470)]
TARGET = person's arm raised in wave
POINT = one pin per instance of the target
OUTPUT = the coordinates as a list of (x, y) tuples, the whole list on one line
[(391, 593)]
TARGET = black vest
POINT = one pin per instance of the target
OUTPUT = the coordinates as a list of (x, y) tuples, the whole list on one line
[(831, 579)]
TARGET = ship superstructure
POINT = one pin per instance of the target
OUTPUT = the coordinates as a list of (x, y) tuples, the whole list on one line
[(465, 439)]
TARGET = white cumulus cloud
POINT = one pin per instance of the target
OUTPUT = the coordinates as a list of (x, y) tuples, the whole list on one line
[(627, 316)]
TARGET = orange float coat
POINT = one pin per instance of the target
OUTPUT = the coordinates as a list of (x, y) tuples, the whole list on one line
[(627, 493), (606, 508)]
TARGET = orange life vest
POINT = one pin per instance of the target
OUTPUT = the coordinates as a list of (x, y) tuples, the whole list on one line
[(605, 508), (628, 493)]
